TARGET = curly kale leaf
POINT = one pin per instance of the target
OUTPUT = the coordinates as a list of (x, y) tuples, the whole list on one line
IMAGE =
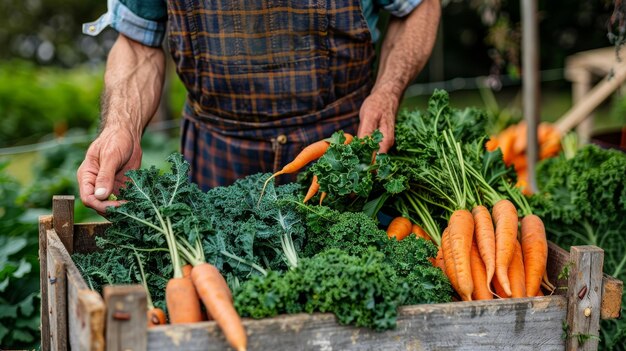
[(151, 197), (346, 169), (582, 201), (360, 290), (355, 233), (409, 259), (114, 266), (249, 234)]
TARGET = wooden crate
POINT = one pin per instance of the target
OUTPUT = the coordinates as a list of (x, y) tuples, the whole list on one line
[(75, 317)]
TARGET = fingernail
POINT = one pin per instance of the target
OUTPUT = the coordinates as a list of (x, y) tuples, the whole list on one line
[(100, 191)]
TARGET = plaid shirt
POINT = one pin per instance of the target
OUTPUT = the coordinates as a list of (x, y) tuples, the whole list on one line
[(144, 21), (263, 81)]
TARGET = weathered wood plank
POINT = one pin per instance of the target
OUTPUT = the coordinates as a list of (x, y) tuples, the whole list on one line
[(584, 295), (57, 299), (63, 219), (85, 308), (126, 317), (85, 236), (526, 324), (45, 224), (558, 259), (612, 290)]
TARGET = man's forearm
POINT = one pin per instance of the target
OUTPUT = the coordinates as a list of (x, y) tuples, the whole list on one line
[(407, 46), (133, 81)]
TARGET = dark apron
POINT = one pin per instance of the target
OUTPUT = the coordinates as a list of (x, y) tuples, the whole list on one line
[(265, 78)]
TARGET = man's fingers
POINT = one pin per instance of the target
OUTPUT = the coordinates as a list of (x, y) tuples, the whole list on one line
[(367, 124), (106, 177), (387, 129)]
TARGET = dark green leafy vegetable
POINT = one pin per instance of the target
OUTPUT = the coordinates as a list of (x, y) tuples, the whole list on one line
[(582, 201), (248, 236), (360, 290)]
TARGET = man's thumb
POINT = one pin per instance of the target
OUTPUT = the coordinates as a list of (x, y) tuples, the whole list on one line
[(104, 181)]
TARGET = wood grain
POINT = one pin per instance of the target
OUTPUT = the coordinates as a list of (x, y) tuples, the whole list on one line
[(126, 317), (85, 308), (584, 295), (529, 323), (45, 224), (57, 299), (63, 219)]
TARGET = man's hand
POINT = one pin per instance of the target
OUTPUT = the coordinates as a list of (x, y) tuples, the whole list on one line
[(102, 172), (379, 112), (406, 48)]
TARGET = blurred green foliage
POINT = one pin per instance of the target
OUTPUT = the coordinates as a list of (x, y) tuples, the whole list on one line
[(39, 101), (19, 270), (50, 31)]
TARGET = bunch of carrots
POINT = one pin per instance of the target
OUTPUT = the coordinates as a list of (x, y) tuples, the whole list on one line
[(487, 254), (484, 253), (500, 256), (513, 143)]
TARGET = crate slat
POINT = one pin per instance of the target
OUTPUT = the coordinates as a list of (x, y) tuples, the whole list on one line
[(57, 299), (531, 323), (85, 308), (45, 224), (85, 236), (126, 317), (63, 220), (584, 297)]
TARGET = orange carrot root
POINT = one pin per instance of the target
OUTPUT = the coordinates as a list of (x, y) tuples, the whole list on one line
[(182, 301), (505, 219), (461, 226), (535, 252), (155, 317), (482, 291), (399, 228), (217, 298)]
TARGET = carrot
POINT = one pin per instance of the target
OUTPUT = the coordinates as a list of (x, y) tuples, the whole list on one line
[(156, 316), (439, 261), (420, 232), (482, 290), (519, 146), (322, 197), (461, 226), (505, 219), (539, 293), (399, 228), (492, 143), (506, 140), (182, 301), (315, 186), (535, 252), (186, 270), (217, 298), (485, 239), (448, 259), (497, 288), (516, 273), (306, 156)]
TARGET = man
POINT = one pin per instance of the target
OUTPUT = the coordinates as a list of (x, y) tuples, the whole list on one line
[(264, 78)]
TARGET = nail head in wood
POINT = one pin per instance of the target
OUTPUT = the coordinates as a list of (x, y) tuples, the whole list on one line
[(587, 312)]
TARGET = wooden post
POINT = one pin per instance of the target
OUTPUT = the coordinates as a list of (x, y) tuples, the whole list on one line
[(580, 87), (57, 299), (45, 224), (126, 320), (584, 295), (63, 219)]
